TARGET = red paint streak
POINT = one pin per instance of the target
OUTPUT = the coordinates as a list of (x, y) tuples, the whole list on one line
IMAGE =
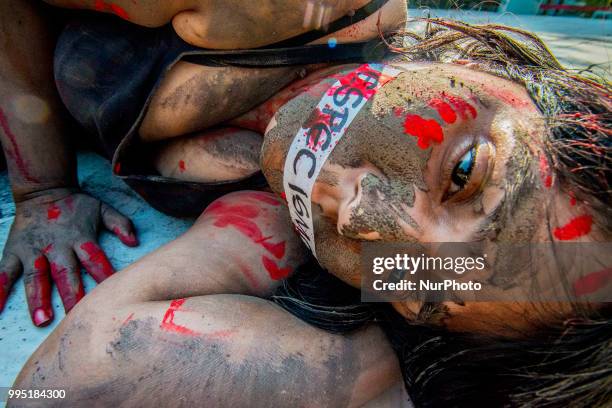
[(508, 97), (445, 111), (250, 276), (53, 212), (101, 5), (576, 228), (275, 272), (264, 198), (362, 79), (545, 171), (128, 239), (592, 282), (181, 166), (70, 296), (239, 217), (119, 11), (316, 117), (47, 249), (462, 107), (40, 298), (3, 289), (98, 264), (15, 154), (427, 131), (127, 320), (168, 324)]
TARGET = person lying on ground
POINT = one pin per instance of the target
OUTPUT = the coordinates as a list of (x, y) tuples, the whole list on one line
[(114, 77), (474, 134)]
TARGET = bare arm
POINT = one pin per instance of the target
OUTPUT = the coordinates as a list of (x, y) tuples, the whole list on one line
[(215, 350), (55, 224)]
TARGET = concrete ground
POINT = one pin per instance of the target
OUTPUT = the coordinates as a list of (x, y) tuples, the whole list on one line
[(577, 42)]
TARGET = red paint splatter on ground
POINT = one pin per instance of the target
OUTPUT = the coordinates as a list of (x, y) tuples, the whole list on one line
[(545, 173), (127, 320), (264, 198), (70, 296), (168, 324), (128, 239), (53, 212), (592, 282), (97, 264), (250, 277), (427, 131), (445, 111), (275, 272), (462, 107), (181, 166), (15, 153), (40, 297), (576, 228)]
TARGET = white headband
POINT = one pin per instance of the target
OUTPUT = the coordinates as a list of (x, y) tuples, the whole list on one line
[(312, 146)]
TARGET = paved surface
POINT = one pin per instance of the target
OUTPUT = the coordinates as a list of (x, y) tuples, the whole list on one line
[(577, 42)]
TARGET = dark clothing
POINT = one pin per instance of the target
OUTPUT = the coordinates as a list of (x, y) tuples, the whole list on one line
[(107, 70)]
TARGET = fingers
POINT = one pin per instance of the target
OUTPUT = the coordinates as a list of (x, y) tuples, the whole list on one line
[(118, 224), (94, 260), (9, 271), (66, 275), (38, 290)]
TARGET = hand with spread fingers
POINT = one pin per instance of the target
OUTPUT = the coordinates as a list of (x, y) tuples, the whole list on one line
[(52, 234)]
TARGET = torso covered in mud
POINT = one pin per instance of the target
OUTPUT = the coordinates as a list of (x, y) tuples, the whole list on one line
[(234, 24)]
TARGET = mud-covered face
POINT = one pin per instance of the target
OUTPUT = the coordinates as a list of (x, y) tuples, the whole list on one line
[(442, 153)]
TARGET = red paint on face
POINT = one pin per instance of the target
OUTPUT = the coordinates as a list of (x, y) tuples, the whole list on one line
[(53, 212), (316, 117), (40, 296), (592, 282), (168, 324), (98, 264), (576, 228), (128, 239), (275, 272), (15, 153), (462, 107), (445, 111), (545, 172), (70, 296), (242, 210), (362, 79), (181, 166), (427, 131), (264, 198)]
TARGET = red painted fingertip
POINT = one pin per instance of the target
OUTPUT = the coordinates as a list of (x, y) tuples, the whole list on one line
[(42, 316), (128, 239)]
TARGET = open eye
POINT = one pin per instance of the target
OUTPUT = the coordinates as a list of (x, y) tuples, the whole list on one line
[(467, 171), (463, 170)]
